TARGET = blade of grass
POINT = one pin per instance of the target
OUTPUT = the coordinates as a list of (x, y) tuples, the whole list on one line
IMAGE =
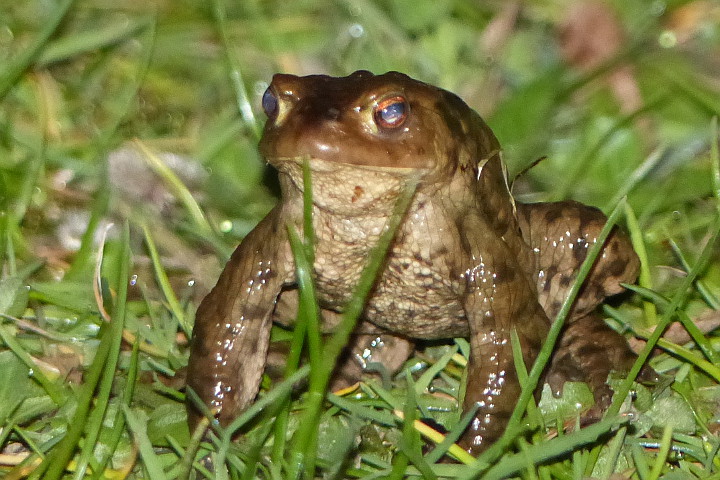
[(308, 228), (579, 459), (658, 299), (357, 410), (423, 382), (713, 457), (630, 52), (270, 398), (252, 458), (282, 419), (84, 256), (400, 464), (235, 73), (218, 461), (7, 248), (340, 337), (662, 453), (367, 279), (23, 61), (184, 468), (80, 43), (164, 283), (704, 98), (641, 466), (54, 465), (308, 309), (385, 395), (613, 454), (410, 440), (304, 254), (644, 279), (522, 374), (691, 445), (54, 392), (684, 353), (715, 158), (30, 463), (7, 422), (177, 188), (665, 319), (102, 397), (531, 472), (698, 337), (30, 442), (151, 462), (636, 177), (447, 442), (33, 173), (704, 290), (511, 465), (119, 421)]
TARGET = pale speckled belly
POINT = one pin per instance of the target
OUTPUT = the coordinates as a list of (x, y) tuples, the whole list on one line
[(409, 298), (414, 295)]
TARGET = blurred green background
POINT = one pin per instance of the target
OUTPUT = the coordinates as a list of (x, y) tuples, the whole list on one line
[(599, 88)]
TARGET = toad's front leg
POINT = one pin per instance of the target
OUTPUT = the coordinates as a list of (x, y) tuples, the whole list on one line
[(232, 325), (499, 298)]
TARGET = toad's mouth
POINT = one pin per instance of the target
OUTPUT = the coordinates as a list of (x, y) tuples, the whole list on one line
[(320, 165)]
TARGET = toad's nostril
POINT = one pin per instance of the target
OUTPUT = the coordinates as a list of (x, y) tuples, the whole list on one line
[(332, 113)]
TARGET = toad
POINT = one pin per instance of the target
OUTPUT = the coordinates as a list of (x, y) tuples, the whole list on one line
[(467, 260)]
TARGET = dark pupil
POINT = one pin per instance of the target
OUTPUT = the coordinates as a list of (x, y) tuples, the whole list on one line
[(393, 113), (269, 103)]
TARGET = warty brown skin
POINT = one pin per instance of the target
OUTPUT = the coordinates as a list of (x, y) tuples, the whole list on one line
[(466, 261)]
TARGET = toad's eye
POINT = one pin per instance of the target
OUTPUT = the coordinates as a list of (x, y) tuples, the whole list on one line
[(391, 112), (270, 104)]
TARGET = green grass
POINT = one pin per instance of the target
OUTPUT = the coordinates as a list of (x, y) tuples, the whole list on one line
[(94, 334)]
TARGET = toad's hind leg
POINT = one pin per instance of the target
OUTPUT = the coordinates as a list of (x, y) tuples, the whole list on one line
[(379, 354), (560, 235), (587, 352)]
